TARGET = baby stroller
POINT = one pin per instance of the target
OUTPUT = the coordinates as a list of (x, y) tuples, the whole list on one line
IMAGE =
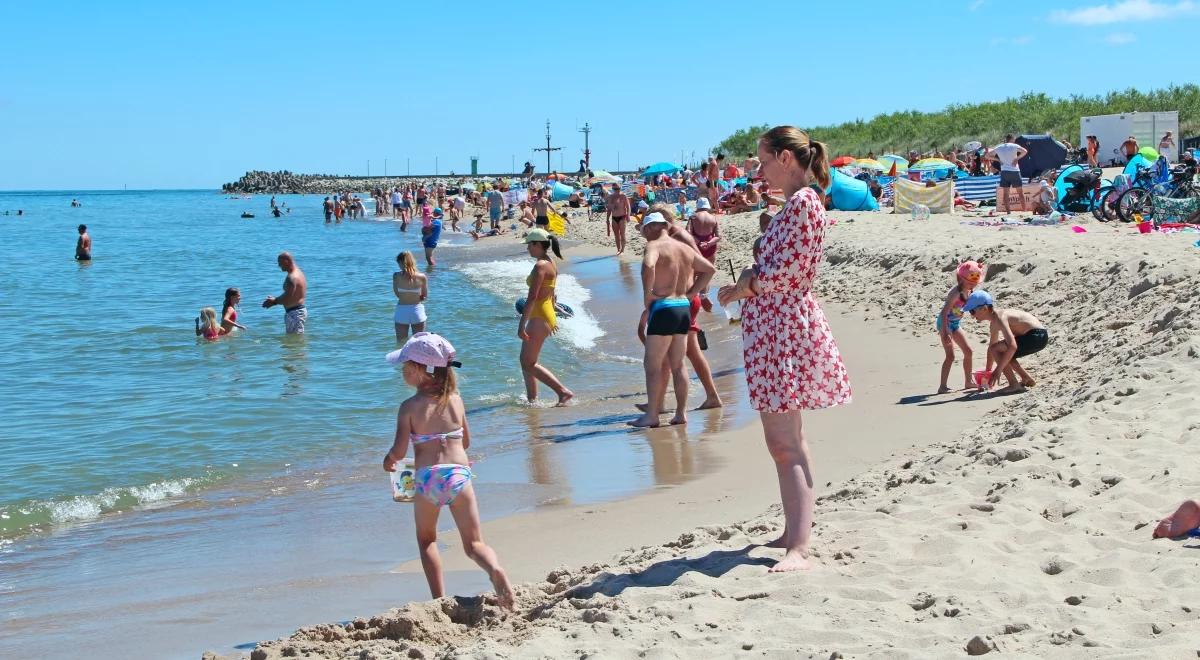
[(1082, 189)]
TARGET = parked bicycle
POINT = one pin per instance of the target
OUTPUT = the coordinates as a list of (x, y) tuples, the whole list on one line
[(1151, 182)]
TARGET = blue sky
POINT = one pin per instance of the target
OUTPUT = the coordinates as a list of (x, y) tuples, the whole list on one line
[(190, 95)]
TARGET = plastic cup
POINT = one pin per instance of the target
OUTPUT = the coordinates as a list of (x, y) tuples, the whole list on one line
[(1145, 227), (404, 482), (733, 311)]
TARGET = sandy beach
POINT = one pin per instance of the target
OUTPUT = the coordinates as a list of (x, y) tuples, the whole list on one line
[(963, 523)]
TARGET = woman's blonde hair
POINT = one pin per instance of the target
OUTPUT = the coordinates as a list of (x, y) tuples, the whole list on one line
[(810, 154), (208, 319), (407, 264), (667, 210)]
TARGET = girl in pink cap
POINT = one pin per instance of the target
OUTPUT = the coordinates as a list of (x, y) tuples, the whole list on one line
[(968, 274), (434, 422)]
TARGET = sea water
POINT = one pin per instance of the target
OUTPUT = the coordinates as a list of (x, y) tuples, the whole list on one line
[(149, 479)]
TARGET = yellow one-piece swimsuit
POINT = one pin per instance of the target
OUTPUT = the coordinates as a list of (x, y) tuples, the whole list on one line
[(543, 309)]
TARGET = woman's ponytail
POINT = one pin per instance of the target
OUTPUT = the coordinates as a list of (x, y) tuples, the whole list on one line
[(818, 164)]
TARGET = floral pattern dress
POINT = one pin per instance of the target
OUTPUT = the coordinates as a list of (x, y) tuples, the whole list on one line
[(792, 361)]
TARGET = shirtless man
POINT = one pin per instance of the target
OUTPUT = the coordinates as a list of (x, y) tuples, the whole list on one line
[(618, 214), (328, 206), (672, 273), (83, 247), (750, 165), (1014, 334), (295, 286), (526, 214), (541, 209), (695, 354)]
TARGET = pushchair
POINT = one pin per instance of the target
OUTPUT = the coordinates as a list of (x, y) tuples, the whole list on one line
[(1081, 190)]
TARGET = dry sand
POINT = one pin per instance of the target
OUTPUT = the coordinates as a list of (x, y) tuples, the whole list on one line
[(954, 524)]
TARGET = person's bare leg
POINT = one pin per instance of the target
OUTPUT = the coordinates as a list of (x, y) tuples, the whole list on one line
[(960, 338), (656, 379), (425, 513), (948, 362), (679, 377), (532, 371), (466, 518), (1185, 518), (785, 441), (662, 401), (700, 365), (1026, 379), (401, 333)]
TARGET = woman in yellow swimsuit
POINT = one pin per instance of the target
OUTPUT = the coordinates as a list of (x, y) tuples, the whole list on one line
[(538, 320)]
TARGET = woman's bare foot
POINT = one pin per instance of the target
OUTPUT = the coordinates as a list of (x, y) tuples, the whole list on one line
[(645, 422), (709, 404), (794, 560), (643, 406), (943, 389), (504, 592), (679, 419), (1029, 382), (563, 398)]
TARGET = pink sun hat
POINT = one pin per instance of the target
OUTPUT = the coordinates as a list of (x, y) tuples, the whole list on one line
[(971, 271), (425, 348)]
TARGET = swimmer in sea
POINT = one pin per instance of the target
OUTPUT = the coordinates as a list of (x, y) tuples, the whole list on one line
[(83, 247)]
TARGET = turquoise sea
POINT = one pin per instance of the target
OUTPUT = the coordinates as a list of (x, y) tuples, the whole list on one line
[(214, 493)]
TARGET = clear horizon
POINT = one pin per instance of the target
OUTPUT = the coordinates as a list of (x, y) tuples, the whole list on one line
[(162, 97)]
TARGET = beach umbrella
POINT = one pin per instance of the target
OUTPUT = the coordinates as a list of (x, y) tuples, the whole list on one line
[(973, 145), (900, 161), (600, 176), (928, 164), (871, 164), (1149, 153), (661, 168), (842, 161)]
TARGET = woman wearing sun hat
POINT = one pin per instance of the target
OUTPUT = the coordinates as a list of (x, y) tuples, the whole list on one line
[(538, 319)]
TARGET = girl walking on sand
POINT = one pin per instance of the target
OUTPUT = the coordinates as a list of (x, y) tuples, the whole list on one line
[(434, 422), (969, 274)]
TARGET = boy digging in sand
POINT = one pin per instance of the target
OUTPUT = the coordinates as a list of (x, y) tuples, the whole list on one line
[(1014, 334)]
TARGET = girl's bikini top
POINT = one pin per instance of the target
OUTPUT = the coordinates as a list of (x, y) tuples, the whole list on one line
[(420, 438)]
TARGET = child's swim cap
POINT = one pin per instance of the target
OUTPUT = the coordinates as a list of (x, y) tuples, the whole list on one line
[(971, 271)]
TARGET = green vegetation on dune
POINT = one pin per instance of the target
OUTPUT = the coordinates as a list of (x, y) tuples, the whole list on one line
[(988, 122)]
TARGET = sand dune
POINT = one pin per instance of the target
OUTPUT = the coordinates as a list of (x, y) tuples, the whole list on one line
[(1027, 533)]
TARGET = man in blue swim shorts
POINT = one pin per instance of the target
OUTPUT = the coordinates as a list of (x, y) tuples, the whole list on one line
[(672, 273)]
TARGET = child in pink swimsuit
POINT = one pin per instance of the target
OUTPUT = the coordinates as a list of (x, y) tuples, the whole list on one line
[(968, 276), (434, 421)]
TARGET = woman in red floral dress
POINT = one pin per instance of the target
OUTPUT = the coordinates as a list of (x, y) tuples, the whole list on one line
[(792, 361)]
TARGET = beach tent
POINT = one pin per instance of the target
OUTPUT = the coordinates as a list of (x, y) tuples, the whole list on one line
[(1138, 161), (850, 194), (1045, 154), (939, 198), (559, 191)]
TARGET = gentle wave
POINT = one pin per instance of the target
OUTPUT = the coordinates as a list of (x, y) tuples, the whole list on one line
[(24, 517), (507, 280)]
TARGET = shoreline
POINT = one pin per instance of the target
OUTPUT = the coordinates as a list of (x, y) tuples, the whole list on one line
[(971, 540)]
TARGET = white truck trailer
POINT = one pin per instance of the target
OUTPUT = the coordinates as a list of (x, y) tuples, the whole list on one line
[(1112, 130)]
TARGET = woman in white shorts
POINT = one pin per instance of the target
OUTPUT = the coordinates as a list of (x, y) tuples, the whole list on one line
[(411, 289)]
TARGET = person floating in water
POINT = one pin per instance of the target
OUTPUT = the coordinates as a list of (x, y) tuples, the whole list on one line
[(83, 247)]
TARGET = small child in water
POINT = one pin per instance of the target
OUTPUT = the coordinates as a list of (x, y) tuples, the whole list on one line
[(1014, 334), (968, 275), (208, 326), (434, 421)]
